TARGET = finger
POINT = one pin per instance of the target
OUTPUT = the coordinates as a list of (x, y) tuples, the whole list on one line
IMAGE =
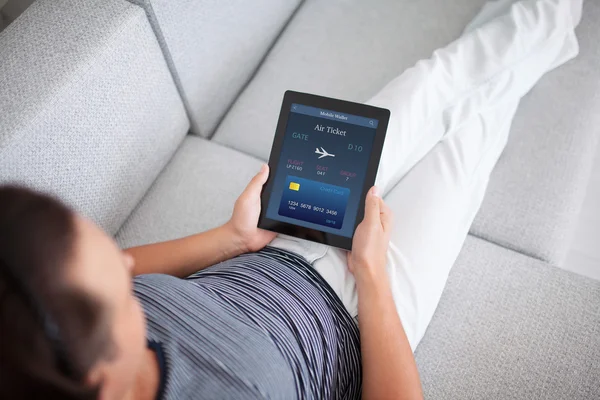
[(259, 179), (372, 206), (386, 216)]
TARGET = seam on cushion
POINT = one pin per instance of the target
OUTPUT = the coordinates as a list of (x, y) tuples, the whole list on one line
[(513, 249), (146, 5), (253, 75)]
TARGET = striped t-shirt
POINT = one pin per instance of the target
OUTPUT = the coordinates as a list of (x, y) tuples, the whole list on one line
[(259, 326)]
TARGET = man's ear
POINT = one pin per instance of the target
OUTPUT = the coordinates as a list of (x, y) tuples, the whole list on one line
[(129, 261), (96, 377)]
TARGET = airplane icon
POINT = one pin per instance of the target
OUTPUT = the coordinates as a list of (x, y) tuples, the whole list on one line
[(323, 153)]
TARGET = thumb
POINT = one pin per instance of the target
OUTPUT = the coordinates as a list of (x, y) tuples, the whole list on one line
[(373, 206), (259, 179)]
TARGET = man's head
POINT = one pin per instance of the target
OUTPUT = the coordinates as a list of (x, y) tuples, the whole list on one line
[(70, 326)]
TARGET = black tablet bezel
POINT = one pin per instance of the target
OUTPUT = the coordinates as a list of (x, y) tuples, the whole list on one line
[(380, 114)]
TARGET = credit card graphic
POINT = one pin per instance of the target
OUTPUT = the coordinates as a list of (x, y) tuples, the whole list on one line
[(313, 201)]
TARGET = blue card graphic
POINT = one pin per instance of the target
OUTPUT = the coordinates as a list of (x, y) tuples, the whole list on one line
[(313, 201)]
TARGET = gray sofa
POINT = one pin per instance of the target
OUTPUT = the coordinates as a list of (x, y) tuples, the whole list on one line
[(150, 116)]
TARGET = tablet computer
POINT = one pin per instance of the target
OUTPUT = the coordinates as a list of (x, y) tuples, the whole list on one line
[(323, 161)]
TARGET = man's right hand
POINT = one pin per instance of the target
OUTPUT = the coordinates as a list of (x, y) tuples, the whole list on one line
[(369, 247)]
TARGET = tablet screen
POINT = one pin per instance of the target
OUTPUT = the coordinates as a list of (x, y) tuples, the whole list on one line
[(321, 172)]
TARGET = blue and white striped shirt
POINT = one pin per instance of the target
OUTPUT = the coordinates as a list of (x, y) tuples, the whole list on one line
[(259, 326)]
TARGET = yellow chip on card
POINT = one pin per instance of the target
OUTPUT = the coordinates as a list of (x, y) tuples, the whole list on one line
[(294, 186)]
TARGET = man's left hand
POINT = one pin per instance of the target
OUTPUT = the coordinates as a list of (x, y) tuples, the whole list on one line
[(244, 220)]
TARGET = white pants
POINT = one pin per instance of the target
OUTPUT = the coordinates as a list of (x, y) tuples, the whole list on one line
[(451, 115)]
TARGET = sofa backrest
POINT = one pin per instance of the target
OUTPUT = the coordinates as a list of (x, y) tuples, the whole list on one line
[(214, 47), (88, 108)]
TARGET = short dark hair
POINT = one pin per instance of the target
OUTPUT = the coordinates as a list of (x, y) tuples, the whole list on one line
[(51, 332)]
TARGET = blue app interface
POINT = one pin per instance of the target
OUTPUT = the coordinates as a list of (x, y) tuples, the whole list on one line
[(322, 168)]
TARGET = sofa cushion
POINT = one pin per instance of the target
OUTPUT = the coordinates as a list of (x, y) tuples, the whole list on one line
[(350, 49), (194, 193), (214, 47), (88, 107), (511, 327)]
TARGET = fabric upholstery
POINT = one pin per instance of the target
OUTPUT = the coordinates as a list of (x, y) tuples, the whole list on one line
[(215, 47), (88, 107), (194, 193), (537, 187), (511, 327)]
